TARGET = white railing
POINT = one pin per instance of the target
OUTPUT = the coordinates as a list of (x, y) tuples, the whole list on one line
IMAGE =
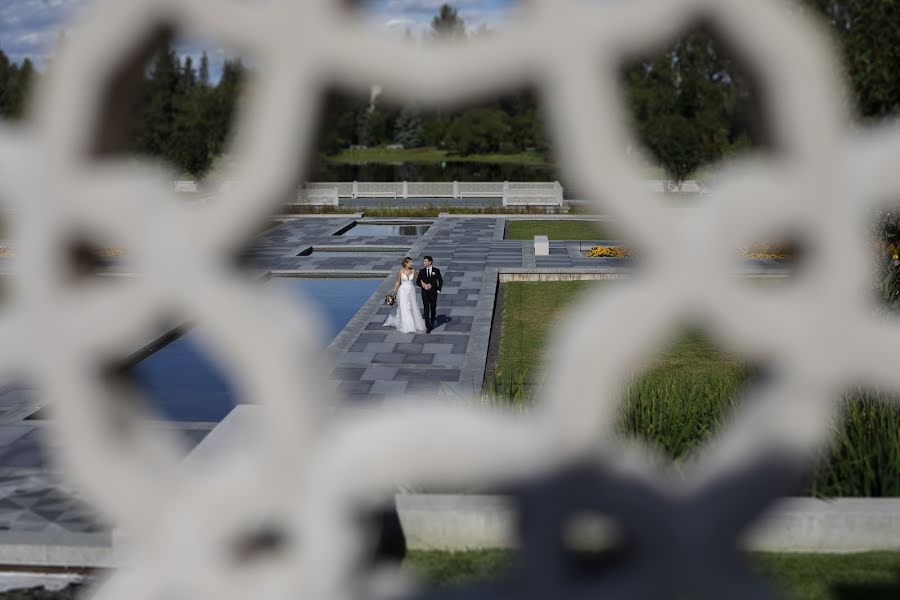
[(510, 192), (319, 196), (188, 186), (689, 186)]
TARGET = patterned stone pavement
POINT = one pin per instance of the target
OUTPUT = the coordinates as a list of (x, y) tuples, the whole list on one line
[(42, 521)]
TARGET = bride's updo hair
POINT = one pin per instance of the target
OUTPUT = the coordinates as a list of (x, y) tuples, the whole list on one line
[(406, 260)]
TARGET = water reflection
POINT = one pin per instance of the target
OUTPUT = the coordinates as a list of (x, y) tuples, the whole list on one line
[(380, 229), (181, 384)]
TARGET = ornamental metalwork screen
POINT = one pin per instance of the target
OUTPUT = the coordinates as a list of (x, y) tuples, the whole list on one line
[(313, 469)]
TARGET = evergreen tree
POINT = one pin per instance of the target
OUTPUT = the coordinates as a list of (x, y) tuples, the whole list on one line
[(408, 128), (447, 24), (204, 70), (188, 75), (868, 32), (684, 104), (15, 84), (189, 146), (158, 110), (477, 131), (224, 104), (5, 69), (371, 127)]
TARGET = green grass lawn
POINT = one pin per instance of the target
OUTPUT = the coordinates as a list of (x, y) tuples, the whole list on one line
[(430, 154), (869, 576), (682, 396), (530, 311), (561, 230)]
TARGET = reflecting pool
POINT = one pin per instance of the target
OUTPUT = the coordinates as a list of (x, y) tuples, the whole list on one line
[(383, 229), (181, 384)]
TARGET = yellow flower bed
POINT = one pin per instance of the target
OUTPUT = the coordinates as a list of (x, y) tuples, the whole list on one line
[(772, 250), (609, 252), (111, 252), (887, 249), (752, 254)]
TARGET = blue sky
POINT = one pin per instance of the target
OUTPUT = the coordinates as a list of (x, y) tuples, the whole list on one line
[(417, 14), (29, 28)]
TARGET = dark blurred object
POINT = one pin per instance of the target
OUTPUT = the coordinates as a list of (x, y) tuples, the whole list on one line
[(869, 591), (391, 545), (70, 592), (664, 546)]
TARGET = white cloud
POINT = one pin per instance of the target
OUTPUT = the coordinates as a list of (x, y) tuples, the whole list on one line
[(34, 38), (396, 23)]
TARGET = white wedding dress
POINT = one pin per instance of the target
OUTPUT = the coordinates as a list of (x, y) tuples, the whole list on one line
[(407, 313)]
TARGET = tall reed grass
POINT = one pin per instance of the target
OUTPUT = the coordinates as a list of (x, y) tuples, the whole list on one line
[(676, 412)]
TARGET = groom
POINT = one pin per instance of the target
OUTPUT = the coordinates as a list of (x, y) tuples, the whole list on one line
[(431, 282)]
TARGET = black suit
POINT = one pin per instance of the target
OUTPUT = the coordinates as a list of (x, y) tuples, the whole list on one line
[(429, 297)]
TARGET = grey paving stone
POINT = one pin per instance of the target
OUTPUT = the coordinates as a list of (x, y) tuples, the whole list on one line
[(379, 373), (366, 399), (347, 373), (437, 348), (423, 386), (401, 338), (381, 347), (418, 359), (389, 388), (355, 387), (432, 338), (387, 358), (432, 375), (410, 348), (357, 357), (445, 359)]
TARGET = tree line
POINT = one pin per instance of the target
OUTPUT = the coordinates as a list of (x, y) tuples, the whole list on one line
[(181, 117), (15, 82), (690, 104)]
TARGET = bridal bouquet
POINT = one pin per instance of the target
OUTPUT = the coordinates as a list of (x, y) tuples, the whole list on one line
[(389, 299)]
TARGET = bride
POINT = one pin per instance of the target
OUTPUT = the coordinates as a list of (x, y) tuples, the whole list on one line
[(407, 314)]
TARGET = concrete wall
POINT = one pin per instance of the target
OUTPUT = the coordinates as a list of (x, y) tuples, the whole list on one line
[(450, 522)]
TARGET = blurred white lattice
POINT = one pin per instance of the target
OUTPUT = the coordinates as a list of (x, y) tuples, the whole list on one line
[(311, 470)]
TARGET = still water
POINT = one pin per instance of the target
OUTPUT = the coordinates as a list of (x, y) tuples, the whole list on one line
[(376, 229), (181, 384)]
